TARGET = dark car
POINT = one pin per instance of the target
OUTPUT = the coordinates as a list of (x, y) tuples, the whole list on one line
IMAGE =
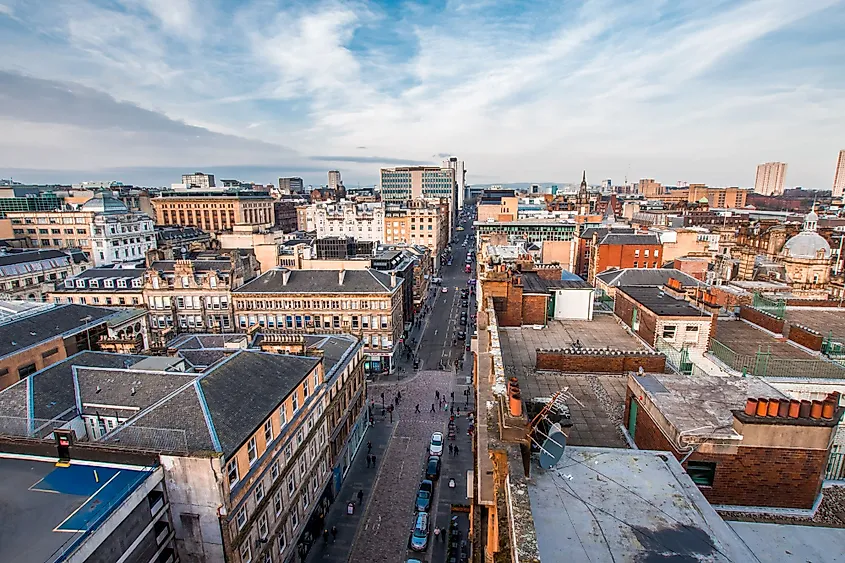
[(463, 321), (461, 334), (464, 303), (432, 468), (464, 293), (424, 495)]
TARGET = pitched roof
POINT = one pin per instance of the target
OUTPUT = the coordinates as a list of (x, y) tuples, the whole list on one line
[(21, 333), (30, 256), (135, 389), (655, 277), (205, 357), (199, 265), (630, 238), (320, 281), (241, 390)]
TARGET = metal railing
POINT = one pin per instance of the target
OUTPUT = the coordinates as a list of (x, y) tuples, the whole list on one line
[(146, 439), (774, 307), (678, 359), (835, 467), (25, 427), (763, 363)]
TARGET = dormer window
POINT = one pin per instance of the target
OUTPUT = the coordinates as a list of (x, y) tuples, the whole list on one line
[(93, 283), (80, 283), (186, 282), (121, 283), (137, 282), (69, 283), (108, 283)]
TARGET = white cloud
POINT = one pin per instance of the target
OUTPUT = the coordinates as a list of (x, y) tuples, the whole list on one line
[(673, 90)]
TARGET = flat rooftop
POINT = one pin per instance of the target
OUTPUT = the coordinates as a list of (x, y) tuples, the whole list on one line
[(701, 405), (49, 510), (826, 320), (601, 505), (793, 544), (744, 338), (661, 303), (597, 401)]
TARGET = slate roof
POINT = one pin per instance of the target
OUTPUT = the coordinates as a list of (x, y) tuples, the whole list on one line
[(332, 348), (199, 341), (199, 265), (23, 332), (31, 256), (655, 277), (662, 304), (111, 273), (205, 357), (630, 238), (241, 391), (533, 283), (602, 231), (127, 388), (320, 281)]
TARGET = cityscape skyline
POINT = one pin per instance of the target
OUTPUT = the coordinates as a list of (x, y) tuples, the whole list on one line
[(135, 90)]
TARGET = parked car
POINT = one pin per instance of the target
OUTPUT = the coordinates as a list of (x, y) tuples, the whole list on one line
[(419, 536), (435, 447), (461, 334), (445, 290), (464, 303), (432, 468), (424, 494), (463, 321)]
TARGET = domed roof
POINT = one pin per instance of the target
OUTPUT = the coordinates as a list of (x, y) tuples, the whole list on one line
[(806, 244), (703, 200), (104, 202)]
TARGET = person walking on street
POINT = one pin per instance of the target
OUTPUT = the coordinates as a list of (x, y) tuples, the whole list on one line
[(368, 460), (452, 409), (450, 448), (418, 408), (453, 395), (437, 395), (334, 533), (432, 407), (360, 495), (456, 449), (399, 395), (326, 535), (374, 460)]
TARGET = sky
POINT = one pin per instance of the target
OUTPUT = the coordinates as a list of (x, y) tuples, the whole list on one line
[(142, 91)]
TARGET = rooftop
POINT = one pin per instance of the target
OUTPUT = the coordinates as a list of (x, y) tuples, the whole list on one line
[(791, 543), (701, 406), (20, 333), (596, 401), (320, 281), (602, 505), (655, 277), (533, 283), (48, 511), (745, 338), (828, 321), (614, 238), (9, 258), (662, 304)]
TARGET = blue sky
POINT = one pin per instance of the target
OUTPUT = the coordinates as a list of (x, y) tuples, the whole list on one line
[(677, 90)]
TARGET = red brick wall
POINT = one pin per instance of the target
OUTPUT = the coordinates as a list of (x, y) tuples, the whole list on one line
[(512, 315), (623, 308), (568, 362), (803, 336), (775, 477), (795, 302), (727, 299), (549, 272), (622, 256), (759, 318), (695, 268), (534, 309)]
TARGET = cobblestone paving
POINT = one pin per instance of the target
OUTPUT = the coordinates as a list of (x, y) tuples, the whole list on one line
[(383, 535)]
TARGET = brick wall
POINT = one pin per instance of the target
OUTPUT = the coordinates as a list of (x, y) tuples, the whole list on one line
[(534, 309), (797, 302), (761, 319), (805, 337), (623, 307), (773, 477), (567, 360)]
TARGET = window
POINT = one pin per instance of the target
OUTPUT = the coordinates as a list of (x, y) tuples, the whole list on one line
[(282, 541), (299, 438), (259, 492), (288, 453), (316, 380), (637, 252), (305, 500), (692, 328), (283, 416), (294, 402), (268, 432), (655, 253), (274, 470), (246, 552), (669, 332), (637, 264), (232, 470), (28, 369), (240, 518), (251, 450), (305, 388), (702, 473), (277, 502), (262, 526), (50, 352), (291, 485)]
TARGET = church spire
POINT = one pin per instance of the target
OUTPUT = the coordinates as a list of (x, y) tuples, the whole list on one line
[(584, 181)]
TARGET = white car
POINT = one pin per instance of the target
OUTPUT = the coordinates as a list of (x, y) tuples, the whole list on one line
[(436, 445), (445, 290)]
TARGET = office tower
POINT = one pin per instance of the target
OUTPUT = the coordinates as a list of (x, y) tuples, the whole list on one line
[(198, 180), (334, 179), (839, 177), (292, 185)]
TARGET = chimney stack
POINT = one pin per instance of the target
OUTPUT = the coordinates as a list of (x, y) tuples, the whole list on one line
[(340, 275), (285, 276), (392, 279)]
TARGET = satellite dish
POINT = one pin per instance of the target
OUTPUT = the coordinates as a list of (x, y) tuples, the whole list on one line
[(551, 450)]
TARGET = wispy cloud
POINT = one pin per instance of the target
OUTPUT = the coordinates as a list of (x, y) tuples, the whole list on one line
[(682, 90)]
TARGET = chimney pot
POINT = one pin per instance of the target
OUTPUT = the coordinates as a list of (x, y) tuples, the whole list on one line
[(762, 406), (774, 405), (794, 408), (804, 409), (750, 406), (816, 410)]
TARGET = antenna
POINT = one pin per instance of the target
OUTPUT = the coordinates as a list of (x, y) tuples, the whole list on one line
[(553, 443)]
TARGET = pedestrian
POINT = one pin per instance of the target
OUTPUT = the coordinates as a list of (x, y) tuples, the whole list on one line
[(399, 395), (450, 448), (432, 407), (453, 395), (436, 533), (452, 409), (456, 449), (396, 400), (368, 460), (326, 535), (437, 395), (369, 446), (334, 533), (418, 408), (459, 411), (374, 460), (360, 495), (445, 407)]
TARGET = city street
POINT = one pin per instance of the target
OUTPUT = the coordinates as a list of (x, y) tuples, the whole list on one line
[(400, 442)]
